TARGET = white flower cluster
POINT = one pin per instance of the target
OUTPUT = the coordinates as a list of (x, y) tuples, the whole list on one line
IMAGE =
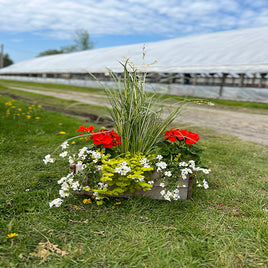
[(48, 159), (161, 165), (64, 145), (190, 168), (141, 178), (67, 183), (56, 202), (168, 195), (123, 168), (63, 154), (83, 153), (95, 155), (72, 159), (205, 184), (185, 172), (145, 162)]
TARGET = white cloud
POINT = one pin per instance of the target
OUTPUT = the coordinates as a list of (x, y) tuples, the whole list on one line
[(59, 19)]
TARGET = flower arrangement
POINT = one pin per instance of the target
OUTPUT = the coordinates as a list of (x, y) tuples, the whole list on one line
[(123, 159)]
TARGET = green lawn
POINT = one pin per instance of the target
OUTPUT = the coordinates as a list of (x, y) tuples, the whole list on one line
[(224, 226)]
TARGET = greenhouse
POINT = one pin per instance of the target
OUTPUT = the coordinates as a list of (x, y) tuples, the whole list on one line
[(229, 64)]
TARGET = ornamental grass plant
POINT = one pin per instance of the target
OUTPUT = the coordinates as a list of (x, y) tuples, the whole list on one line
[(136, 116)]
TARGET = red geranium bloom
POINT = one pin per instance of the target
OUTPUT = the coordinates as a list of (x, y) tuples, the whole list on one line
[(81, 129), (88, 129), (171, 134), (177, 134), (107, 138)]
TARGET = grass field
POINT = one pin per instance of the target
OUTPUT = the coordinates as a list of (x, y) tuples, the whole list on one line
[(224, 226)]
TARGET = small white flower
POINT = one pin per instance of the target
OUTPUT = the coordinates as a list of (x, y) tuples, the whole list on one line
[(56, 202), (63, 179), (205, 184), (161, 165), (162, 185), (143, 161), (151, 182), (163, 192), (159, 157), (64, 145), (183, 164), (71, 159), (176, 197), (167, 197), (65, 186), (75, 186), (168, 173), (27, 190), (48, 159), (99, 168), (63, 193), (63, 154), (176, 191), (206, 171)]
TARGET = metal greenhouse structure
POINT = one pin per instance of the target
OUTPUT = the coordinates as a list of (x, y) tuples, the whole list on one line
[(229, 64)]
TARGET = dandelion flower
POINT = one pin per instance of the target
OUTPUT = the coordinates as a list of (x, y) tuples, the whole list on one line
[(37, 117), (62, 132), (12, 235), (87, 201), (28, 116)]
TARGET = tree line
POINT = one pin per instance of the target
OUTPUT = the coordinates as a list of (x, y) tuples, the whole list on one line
[(81, 40)]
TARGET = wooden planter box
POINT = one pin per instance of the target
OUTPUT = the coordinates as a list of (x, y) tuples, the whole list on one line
[(185, 191)]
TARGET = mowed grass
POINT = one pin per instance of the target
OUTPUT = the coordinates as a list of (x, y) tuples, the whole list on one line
[(224, 226)]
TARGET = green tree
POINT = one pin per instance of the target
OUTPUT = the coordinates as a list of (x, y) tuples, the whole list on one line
[(50, 52), (7, 60), (81, 40)]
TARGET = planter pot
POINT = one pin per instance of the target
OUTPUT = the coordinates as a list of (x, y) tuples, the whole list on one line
[(185, 191)]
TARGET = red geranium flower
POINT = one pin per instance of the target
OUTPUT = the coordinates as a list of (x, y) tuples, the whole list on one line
[(177, 134), (86, 130), (108, 139)]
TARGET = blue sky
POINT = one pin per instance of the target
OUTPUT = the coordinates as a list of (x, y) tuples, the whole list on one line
[(28, 27)]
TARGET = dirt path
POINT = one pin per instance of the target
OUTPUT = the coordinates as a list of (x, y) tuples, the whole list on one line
[(245, 125)]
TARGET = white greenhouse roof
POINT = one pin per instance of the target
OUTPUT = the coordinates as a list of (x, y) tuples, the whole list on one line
[(237, 51)]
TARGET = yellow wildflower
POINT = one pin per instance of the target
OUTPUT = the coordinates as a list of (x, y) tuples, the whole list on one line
[(19, 109), (62, 132), (37, 117), (30, 108), (28, 116), (117, 203), (39, 106), (73, 142), (13, 106), (87, 201), (12, 235)]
